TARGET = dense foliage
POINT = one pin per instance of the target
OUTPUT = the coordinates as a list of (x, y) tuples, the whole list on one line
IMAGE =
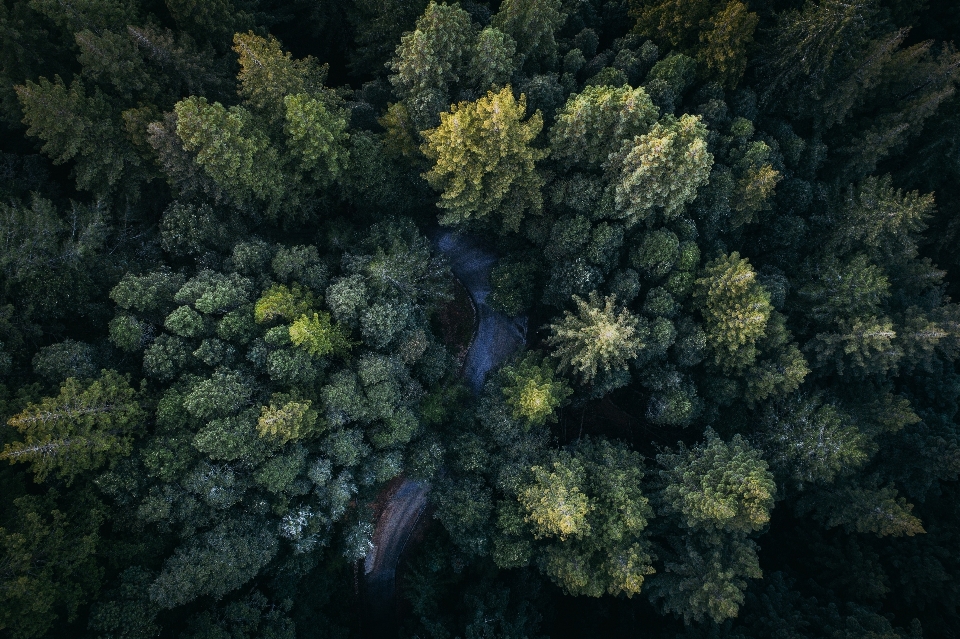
[(227, 329)]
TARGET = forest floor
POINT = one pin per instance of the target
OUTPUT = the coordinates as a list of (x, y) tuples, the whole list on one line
[(403, 501)]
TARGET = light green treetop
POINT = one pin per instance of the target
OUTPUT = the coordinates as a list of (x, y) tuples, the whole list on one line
[(594, 123), (720, 486), (597, 338), (533, 392), (483, 160), (735, 307), (661, 170)]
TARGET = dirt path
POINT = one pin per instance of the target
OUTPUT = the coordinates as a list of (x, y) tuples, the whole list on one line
[(394, 527), (496, 338)]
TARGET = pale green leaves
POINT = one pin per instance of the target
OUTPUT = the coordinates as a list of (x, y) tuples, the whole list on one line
[(594, 124), (661, 170), (484, 163), (317, 335), (598, 338)]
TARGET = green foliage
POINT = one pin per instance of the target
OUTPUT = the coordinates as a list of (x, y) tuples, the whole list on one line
[(316, 136), (75, 124), (215, 563), (736, 309), (809, 441), (81, 429), (532, 24), (269, 77), (291, 420), (716, 33), (588, 509), (594, 123), (707, 580), (660, 171), (318, 336), (230, 149), (49, 567), (183, 200), (493, 59), (598, 339), (554, 502), (429, 59), (281, 302), (533, 392), (483, 161), (718, 486), (513, 286)]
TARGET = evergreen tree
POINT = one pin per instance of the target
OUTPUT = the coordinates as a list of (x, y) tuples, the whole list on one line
[(660, 171), (533, 392), (79, 430), (429, 59), (598, 338), (79, 125), (594, 123), (735, 307), (484, 163)]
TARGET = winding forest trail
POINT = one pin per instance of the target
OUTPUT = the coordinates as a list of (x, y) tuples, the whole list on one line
[(495, 338)]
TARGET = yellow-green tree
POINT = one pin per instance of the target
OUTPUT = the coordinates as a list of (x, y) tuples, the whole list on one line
[(81, 429), (735, 308), (719, 486), (533, 392), (484, 162), (268, 74), (231, 149), (280, 302), (589, 515), (317, 335), (598, 338), (286, 420)]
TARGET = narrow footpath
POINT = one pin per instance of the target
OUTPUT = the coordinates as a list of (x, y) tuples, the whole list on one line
[(495, 338)]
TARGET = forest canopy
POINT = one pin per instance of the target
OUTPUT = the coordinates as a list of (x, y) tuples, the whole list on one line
[(250, 257)]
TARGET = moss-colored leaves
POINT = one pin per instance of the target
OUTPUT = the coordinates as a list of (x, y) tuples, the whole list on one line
[(484, 164)]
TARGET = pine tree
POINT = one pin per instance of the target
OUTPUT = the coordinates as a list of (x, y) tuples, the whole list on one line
[(590, 515), (268, 74), (594, 123), (533, 392), (660, 171), (735, 307), (715, 33), (429, 59), (78, 125), (718, 486), (79, 430), (484, 163), (598, 339), (532, 24), (231, 150)]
